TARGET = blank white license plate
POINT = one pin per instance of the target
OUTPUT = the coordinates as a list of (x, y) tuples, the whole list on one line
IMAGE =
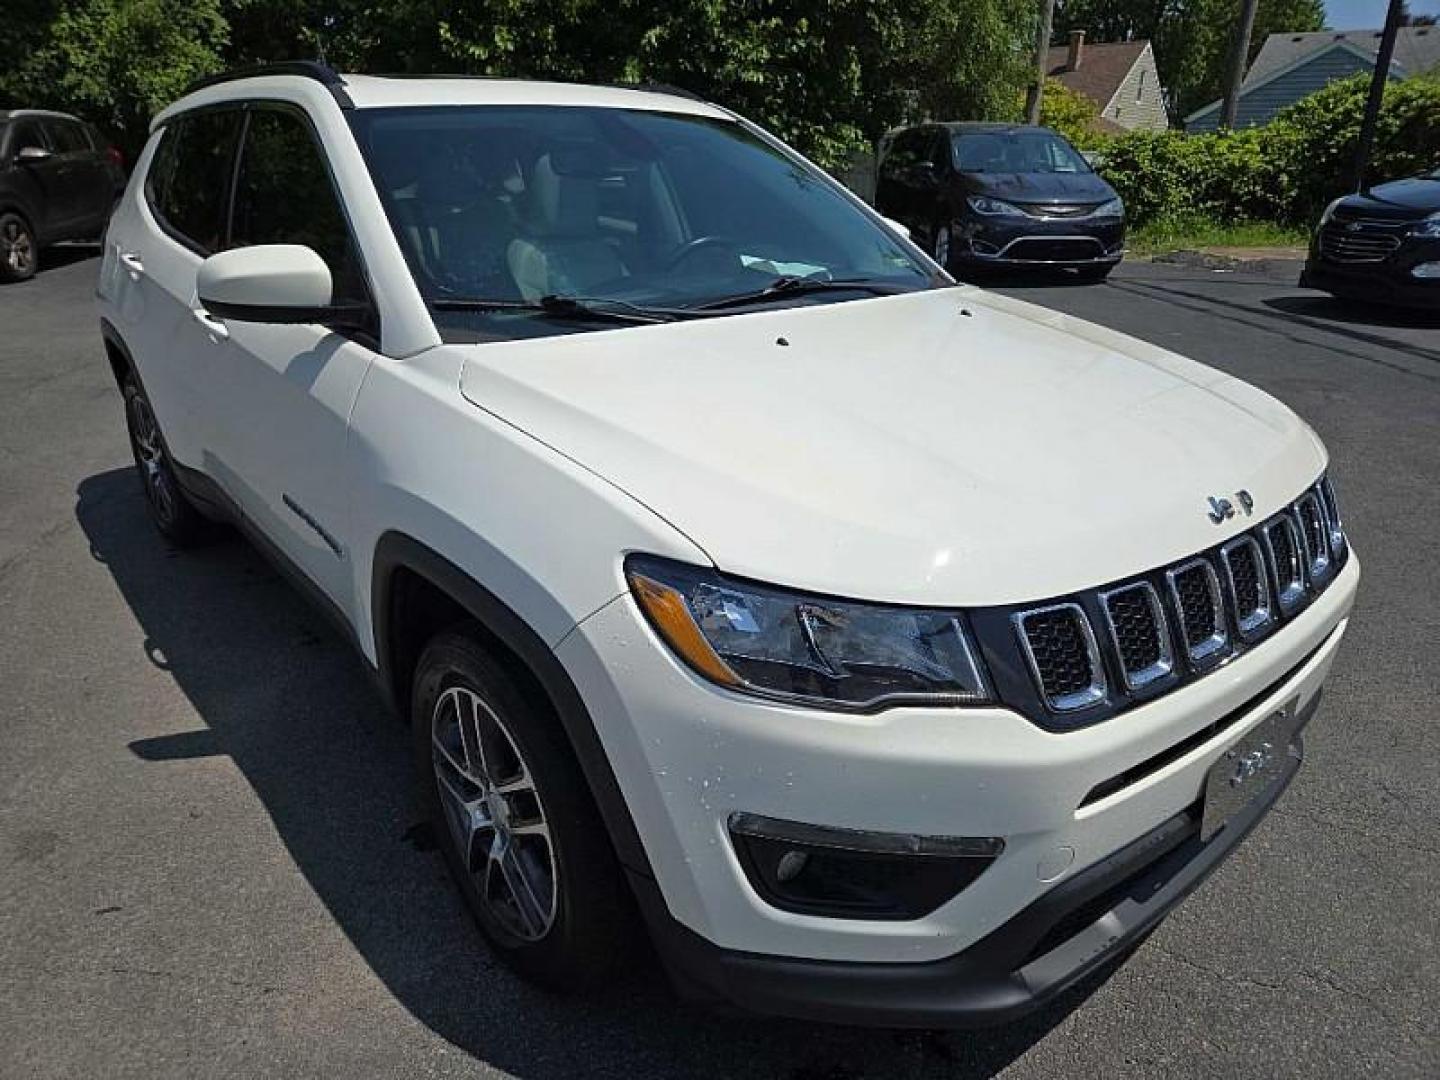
[(1247, 769)]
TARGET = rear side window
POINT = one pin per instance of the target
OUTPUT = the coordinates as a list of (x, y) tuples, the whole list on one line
[(284, 195), (189, 179), (67, 136), (27, 133)]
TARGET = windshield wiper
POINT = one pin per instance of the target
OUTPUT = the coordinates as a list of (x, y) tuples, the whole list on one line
[(564, 307), (793, 285)]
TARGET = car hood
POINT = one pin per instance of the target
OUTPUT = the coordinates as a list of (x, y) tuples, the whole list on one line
[(1040, 187), (941, 447), (1412, 198)]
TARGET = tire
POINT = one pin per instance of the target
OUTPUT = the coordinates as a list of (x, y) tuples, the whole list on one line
[(554, 906), (1094, 274), (19, 251), (941, 248), (173, 514)]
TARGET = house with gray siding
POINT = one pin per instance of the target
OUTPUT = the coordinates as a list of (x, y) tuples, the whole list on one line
[(1292, 66)]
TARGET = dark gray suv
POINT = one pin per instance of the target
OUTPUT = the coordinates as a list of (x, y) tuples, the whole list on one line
[(59, 179)]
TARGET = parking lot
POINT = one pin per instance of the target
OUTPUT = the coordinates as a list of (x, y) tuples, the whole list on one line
[(208, 859)]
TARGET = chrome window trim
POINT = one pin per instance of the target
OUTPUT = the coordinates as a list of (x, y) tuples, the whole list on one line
[(1209, 648), (1166, 663), (1289, 591), (1078, 699), (1317, 563), (1251, 625)]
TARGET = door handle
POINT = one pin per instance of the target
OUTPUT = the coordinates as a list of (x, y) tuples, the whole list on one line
[(133, 265), (217, 330)]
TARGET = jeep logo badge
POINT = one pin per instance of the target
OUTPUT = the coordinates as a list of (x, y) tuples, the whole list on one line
[(1222, 510)]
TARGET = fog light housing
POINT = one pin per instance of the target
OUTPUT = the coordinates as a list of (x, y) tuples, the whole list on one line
[(853, 874), (1427, 271)]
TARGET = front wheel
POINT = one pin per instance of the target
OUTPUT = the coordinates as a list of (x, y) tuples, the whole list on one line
[(19, 253), (1094, 274), (942, 246), (515, 820)]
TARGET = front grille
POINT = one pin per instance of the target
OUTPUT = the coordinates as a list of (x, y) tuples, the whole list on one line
[(1249, 591), (1371, 242), (1169, 625), (1063, 658), (1195, 590), (1062, 249), (1138, 633), (1062, 210)]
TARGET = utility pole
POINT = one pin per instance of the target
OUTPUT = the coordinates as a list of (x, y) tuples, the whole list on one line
[(1377, 91), (1042, 62), (1240, 53)]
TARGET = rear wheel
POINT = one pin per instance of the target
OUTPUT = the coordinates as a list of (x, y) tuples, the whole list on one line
[(173, 514), (513, 815), (19, 253)]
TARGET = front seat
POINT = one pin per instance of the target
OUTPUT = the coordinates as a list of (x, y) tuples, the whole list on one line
[(564, 253), (465, 226)]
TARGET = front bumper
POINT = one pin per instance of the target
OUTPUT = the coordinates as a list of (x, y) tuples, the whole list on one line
[(1388, 281), (982, 240), (688, 755)]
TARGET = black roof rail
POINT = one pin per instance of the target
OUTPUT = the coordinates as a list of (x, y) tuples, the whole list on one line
[(318, 70), (661, 88)]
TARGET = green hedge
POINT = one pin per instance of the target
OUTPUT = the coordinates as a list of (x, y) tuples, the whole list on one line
[(1285, 171)]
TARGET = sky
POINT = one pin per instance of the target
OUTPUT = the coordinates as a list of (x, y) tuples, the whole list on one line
[(1369, 14)]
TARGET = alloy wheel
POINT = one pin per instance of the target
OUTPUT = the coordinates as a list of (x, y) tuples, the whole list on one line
[(150, 456), (494, 814), (17, 248)]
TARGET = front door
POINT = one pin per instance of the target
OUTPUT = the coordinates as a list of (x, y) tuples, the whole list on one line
[(283, 393)]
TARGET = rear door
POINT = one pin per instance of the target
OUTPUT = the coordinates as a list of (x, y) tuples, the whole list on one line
[(285, 392), (159, 241)]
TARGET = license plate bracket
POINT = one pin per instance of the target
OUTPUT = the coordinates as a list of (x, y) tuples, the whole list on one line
[(1249, 768)]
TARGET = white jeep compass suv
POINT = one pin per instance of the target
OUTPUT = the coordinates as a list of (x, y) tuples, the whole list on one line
[(891, 651)]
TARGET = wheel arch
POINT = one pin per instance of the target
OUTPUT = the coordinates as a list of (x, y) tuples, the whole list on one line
[(122, 364), (416, 592)]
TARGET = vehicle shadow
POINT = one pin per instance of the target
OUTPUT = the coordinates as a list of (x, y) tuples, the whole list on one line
[(1354, 312), (289, 702), (66, 254)]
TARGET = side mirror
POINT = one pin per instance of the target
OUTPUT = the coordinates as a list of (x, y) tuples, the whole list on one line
[(33, 154), (897, 227), (271, 283)]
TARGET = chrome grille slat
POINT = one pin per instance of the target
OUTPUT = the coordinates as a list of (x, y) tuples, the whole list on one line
[(1195, 590), (1282, 543), (1249, 590), (1064, 659), (1314, 535), (1138, 632)]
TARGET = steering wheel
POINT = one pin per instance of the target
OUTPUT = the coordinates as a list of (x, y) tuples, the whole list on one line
[(693, 247)]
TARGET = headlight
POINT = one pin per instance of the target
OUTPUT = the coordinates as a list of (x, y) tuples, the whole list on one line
[(1429, 227), (1330, 210), (781, 644), (983, 204), (1113, 208)]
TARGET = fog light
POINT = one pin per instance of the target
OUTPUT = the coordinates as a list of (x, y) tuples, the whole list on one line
[(847, 873), (1429, 271)]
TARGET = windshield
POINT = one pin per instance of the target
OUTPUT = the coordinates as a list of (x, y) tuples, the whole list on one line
[(1027, 150), (519, 203)]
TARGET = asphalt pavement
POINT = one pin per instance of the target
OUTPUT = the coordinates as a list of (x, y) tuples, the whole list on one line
[(208, 859)]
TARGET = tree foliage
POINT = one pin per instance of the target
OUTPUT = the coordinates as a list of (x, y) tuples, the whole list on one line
[(828, 75)]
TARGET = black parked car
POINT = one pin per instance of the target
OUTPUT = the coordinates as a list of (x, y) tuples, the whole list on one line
[(59, 179), (980, 195), (1382, 244)]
